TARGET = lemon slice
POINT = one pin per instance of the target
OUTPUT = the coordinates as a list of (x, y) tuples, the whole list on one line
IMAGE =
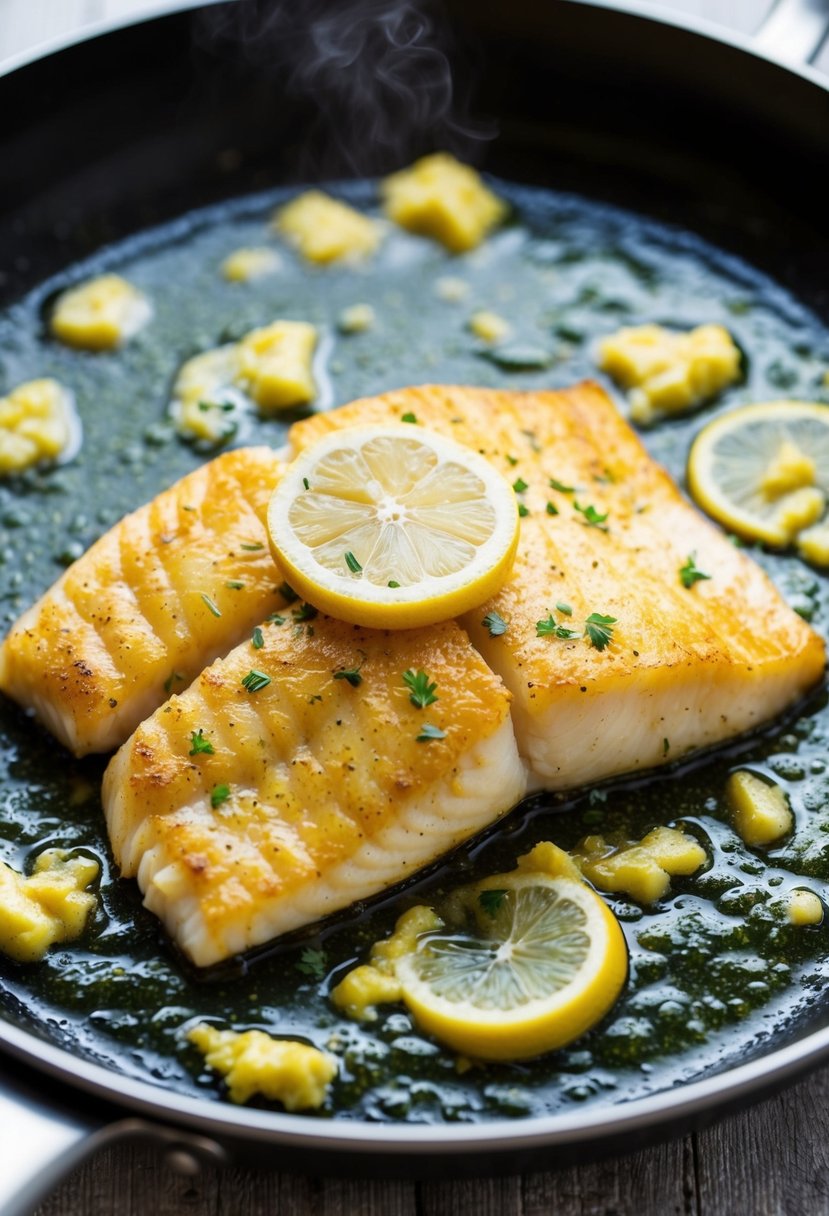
[(763, 470), (545, 961), (393, 526)]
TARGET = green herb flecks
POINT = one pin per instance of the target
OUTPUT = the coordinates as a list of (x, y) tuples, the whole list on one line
[(211, 604), (421, 689), (257, 640), (592, 517), (429, 732), (523, 510), (175, 677), (255, 680), (690, 573), (550, 628), (599, 629), (495, 624), (199, 745), (287, 592), (219, 794), (253, 547), (492, 899), (409, 417), (305, 612), (234, 584), (552, 509), (312, 963), (520, 485), (350, 674), (561, 487), (352, 563)]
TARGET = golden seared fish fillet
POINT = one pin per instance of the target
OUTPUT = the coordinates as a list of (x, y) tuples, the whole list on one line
[(607, 532), (254, 804), (142, 612)]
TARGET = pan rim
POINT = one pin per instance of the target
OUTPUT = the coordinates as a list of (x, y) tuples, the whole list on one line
[(683, 1102)]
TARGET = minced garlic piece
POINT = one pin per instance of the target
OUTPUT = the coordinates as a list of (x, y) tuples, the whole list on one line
[(275, 365), (441, 198), (375, 983), (202, 407), (356, 319), (37, 423), (101, 314), (790, 469), (804, 907), (799, 510), (281, 1070), (640, 869), (51, 905), (669, 373), (243, 265), (326, 230), (489, 327), (760, 812), (813, 544)]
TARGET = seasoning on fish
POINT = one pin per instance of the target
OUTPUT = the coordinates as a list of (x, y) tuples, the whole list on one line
[(318, 791), (630, 659), (143, 611)]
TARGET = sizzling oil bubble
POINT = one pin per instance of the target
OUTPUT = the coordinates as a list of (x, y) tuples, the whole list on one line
[(712, 966)]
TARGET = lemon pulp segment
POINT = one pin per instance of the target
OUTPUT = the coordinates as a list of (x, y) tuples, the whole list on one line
[(393, 526), (763, 470), (545, 961)]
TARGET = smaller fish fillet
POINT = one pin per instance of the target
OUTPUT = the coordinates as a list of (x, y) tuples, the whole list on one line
[(316, 793), (159, 596)]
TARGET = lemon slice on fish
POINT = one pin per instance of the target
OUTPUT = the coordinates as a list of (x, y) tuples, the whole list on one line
[(393, 527), (763, 470), (544, 961)]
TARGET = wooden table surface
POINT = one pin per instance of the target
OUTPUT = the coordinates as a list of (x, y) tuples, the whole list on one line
[(770, 1161)]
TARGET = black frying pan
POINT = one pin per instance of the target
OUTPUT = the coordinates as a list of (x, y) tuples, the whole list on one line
[(129, 128)]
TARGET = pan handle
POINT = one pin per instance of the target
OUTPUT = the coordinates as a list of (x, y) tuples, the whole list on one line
[(41, 1144), (794, 31)]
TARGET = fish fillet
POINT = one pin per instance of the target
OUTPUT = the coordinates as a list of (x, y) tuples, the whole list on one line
[(316, 792), (686, 668), (143, 611)]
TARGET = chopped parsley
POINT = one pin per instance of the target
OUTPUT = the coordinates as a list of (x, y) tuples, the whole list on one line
[(254, 547), (312, 963), (550, 628), (421, 691), (495, 624), (234, 584), (552, 509), (492, 899), (520, 485), (219, 794), (599, 629), (561, 487), (287, 592), (200, 745), (305, 612), (351, 674), (523, 511), (428, 731), (513, 460), (257, 640), (211, 604), (352, 563), (393, 584), (276, 618), (592, 517), (690, 572), (306, 483), (255, 680), (410, 417)]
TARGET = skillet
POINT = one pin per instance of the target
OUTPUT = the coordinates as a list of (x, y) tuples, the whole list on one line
[(657, 116)]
